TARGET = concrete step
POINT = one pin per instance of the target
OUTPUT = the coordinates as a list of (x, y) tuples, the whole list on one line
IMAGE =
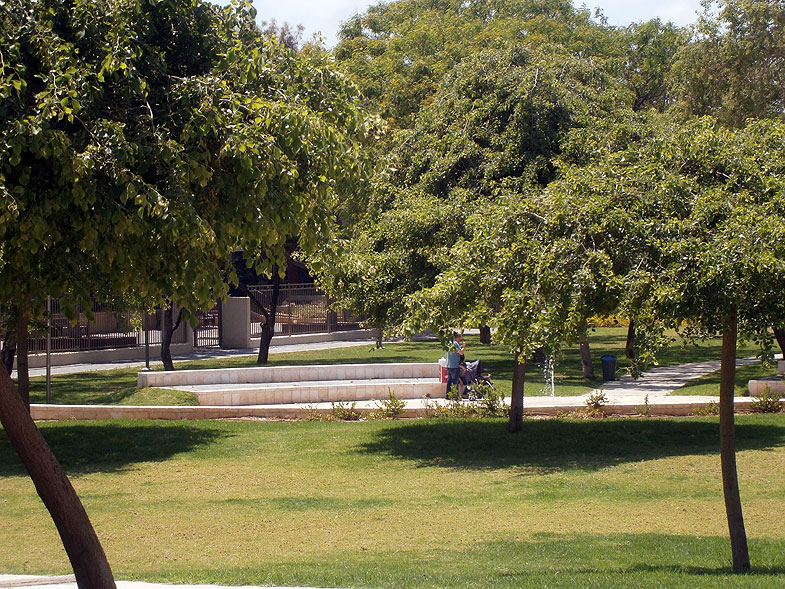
[(286, 374), (315, 391)]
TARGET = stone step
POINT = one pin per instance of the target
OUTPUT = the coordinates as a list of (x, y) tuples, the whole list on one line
[(285, 374), (315, 391)]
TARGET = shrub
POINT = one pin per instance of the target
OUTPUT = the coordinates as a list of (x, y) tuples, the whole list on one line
[(710, 408), (343, 412), (768, 402), (391, 408), (453, 408), (491, 403), (594, 404), (645, 409), (596, 401), (313, 414)]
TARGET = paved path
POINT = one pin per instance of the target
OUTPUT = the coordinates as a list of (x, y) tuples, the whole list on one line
[(661, 381), (199, 354), (653, 393), (656, 387)]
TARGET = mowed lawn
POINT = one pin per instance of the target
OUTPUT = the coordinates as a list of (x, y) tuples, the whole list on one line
[(119, 386), (426, 503)]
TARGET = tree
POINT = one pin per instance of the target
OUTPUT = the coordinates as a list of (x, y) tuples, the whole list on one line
[(140, 144), (495, 128), (735, 67), (648, 52), (398, 52), (724, 265), (699, 209)]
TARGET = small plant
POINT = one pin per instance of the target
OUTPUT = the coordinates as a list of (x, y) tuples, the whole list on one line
[(313, 414), (597, 401), (490, 402), (594, 404), (645, 409), (391, 408), (768, 402), (587, 413), (343, 412), (453, 408), (710, 408)]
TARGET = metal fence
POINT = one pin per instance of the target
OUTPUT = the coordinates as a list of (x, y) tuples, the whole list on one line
[(207, 333), (302, 308), (104, 328)]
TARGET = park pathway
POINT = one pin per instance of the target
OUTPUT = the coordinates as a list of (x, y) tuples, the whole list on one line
[(656, 390)]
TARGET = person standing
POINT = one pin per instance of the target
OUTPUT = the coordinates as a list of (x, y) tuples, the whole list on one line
[(461, 348), (453, 365)]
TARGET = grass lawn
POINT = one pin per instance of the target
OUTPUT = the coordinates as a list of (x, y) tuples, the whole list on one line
[(427, 503), (119, 386), (710, 384)]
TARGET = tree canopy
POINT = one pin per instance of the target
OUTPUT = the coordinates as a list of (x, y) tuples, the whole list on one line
[(399, 51), (735, 67), (141, 143)]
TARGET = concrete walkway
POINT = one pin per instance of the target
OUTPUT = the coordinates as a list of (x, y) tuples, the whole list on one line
[(653, 393), (199, 354), (655, 388)]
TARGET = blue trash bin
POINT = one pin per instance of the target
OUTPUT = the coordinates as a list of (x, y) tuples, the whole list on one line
[(608, 367)]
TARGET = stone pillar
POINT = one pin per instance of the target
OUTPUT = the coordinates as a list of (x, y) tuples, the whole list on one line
[(236, 323)]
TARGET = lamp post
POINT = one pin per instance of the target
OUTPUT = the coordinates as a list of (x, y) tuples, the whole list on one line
[(48, 350)]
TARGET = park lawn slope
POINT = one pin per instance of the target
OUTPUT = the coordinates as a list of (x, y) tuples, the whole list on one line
[(119, 386), (710, 384), (427, 503)]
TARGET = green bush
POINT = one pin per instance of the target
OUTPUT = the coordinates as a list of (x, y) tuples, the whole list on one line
[(710, 408), (768, 402), (343, 412), (391, 408), (491, 403), (645, 409)]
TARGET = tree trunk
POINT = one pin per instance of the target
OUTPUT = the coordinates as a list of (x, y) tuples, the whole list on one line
[(628, 351), (79, 539), (730, 480), (485, 334), (8, 353), (379, 338), (586, 364), (516, 399), (779, 334), (22, 365), (167, 330), (268, 327)]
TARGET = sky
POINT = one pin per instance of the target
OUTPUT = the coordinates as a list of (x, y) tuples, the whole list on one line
[(325, 16)]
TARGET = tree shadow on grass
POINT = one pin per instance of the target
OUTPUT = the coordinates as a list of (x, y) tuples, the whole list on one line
[(86, 388), (111, 446), (558, 444), (628, 554)]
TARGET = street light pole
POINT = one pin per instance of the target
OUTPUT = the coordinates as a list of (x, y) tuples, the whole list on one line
[(48, 350)]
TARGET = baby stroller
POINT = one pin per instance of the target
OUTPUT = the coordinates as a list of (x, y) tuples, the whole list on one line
[(474, 375)]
